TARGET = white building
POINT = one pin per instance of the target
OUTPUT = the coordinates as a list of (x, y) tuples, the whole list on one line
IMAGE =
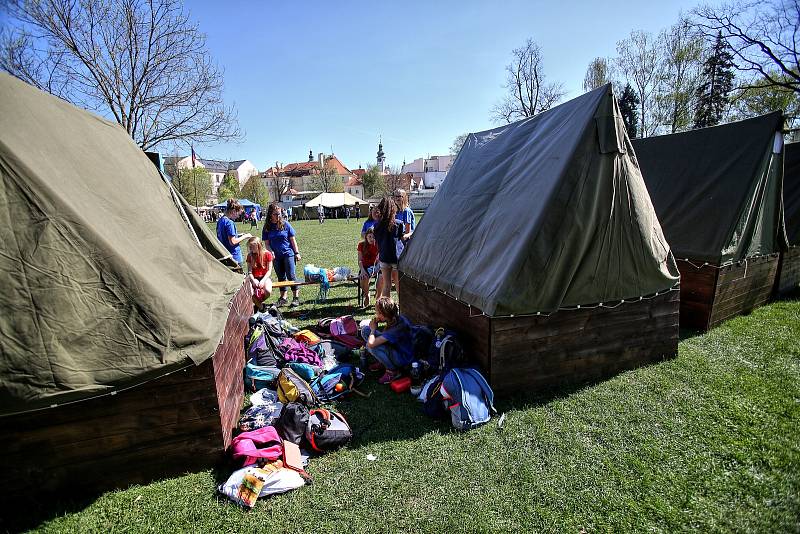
[(430, 172), (243, 169)]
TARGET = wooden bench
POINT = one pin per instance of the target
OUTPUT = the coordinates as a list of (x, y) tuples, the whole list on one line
[(292, 283)]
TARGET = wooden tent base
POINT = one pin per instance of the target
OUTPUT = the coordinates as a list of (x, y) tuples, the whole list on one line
[(545, 352)]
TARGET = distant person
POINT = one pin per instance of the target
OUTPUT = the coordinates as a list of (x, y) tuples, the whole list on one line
[(387, 231), (347, 213), (372, 219), (320, 213), (358, 211), (253, 220), (393, 347), (226, 230), (367, 263), (280, 238), (259, 263)]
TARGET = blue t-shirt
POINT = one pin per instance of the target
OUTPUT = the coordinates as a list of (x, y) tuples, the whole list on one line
[(369, 223), (279, 239), (385, 237), (226, 229), (407, 216), (401, 338)]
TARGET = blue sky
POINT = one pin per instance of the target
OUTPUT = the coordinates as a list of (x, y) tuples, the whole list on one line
[(315, 75)]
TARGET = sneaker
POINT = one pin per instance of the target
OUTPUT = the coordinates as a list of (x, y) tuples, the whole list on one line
[(388, 376), (282, 302), (295, 302), (375, 367)]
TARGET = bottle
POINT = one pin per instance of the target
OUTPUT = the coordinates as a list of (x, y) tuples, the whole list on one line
[(416, 375), (362, 360)]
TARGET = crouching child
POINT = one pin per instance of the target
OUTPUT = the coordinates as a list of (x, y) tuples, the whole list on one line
[(393, 346)]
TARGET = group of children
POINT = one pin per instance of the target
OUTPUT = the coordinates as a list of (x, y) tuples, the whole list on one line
[(384, 234)]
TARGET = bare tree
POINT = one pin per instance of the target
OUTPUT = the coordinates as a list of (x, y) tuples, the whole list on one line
[(682, 49), (598, 73), (328, 181), (528, 92), (638, 61), (458, 142), (280, 185), (763, 37), (396, 179), (143, 63)]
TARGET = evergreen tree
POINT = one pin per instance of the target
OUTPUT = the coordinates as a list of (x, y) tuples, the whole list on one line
[(715, 86), (628, 106)]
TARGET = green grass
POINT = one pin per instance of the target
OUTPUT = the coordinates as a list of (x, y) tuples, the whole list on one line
[(709, 441)]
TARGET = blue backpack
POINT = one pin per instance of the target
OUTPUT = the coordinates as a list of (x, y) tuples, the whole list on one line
[(347, 376), (469, 398)]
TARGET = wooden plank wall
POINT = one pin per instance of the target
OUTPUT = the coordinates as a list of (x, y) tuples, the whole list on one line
[(433, 308), (158, 429), (743, 287), (229, 362), (698, 286), (579, 346), (789, 271), (162, 428), (569, 347)]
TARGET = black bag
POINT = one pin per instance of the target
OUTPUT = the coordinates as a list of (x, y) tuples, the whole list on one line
[(327, 430), (445, 351), (293, 422), (434, 405)]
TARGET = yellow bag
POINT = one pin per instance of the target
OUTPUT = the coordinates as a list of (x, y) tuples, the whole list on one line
[(308, 337)]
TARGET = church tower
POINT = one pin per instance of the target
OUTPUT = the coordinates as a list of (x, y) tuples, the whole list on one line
[(381, 156)]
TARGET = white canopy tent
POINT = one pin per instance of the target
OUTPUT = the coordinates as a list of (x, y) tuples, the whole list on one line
[(334, 200)]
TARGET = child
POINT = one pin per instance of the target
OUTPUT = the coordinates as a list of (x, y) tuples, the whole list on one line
[(280, 238), (259, 261), (394, 346), (367, 262), (226, 230), (387, 230), (404, 214)]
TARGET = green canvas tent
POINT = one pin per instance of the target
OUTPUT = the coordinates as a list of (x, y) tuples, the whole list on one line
[(545, 213), (717, 191), (104, 286), (718, 195), (791, 192)]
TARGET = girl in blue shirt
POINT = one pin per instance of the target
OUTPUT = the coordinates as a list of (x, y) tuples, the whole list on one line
[(388, 229), (404, 214), (226, 230), (279, 236), (394, 346)]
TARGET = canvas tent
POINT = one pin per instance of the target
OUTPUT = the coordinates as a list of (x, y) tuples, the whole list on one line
[(333, 200), (718, 194), (111, 309), (544, 229), (717, 191), (791, 192), (534, 201), (789, 269)]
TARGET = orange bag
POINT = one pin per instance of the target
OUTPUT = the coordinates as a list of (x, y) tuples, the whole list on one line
[(308, 337)]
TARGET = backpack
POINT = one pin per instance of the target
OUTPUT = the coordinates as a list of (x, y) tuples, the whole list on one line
[(423, 339), (433, 404), (339, 381), (446, 351), (292, 423), (257, 349), (257, 377), (327, 430), (469, 398), (262, 444), (292, 388), (344, 329), (259, 416), (292, 350)]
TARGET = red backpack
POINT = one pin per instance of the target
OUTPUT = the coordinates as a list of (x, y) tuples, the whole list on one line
[(344, 329)]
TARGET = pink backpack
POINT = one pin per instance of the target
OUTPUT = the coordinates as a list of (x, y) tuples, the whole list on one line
[(295, 351), (262, 443), (345, 330)]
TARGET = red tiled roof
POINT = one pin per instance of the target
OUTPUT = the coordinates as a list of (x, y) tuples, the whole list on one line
[(354, 181), (360, 172), (304, 166)]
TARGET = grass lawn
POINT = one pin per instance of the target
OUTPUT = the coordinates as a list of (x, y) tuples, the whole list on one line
[(709, 441)]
